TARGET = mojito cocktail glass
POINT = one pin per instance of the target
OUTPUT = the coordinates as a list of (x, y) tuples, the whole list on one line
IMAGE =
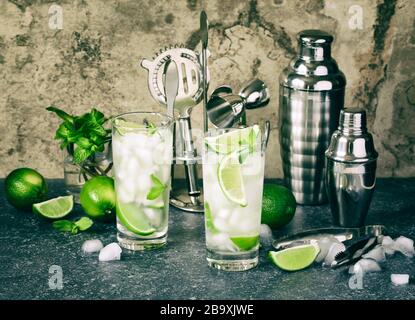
[(233, 177), (142, 146)]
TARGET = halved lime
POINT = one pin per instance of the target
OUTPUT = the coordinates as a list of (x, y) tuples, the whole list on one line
[(295, 258), (233, 140), (230, 179), (246, 243), (54, 208), (134, 219)]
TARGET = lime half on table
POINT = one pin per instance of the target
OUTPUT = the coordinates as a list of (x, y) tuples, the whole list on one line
[(56, 208)]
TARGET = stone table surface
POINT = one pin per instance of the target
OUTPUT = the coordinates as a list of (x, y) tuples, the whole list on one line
[(29, 246)]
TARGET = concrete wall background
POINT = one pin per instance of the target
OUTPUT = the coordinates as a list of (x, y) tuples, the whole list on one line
[(93, 61)]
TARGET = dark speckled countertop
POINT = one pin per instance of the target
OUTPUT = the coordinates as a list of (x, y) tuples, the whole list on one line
[(29, 246)]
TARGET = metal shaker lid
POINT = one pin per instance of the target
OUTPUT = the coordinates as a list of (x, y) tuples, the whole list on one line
[(315, 37), (351, 142), (313, 69)]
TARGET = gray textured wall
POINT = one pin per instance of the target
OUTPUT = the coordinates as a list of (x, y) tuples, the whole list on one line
[(93, 61)]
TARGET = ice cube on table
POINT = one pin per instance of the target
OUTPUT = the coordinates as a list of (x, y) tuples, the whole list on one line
[(405, 246), (364, 265), (324, 244), (334, 249), (110, 252), (377, 254), (388, 245), (265, 235), (400, 279), (90, 246)]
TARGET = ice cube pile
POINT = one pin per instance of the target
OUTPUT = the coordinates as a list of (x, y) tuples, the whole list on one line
[(138, 155), (370, 262), (229, 218)]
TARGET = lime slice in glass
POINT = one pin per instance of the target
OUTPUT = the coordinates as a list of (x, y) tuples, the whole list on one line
[(134, 219), (54, 208), (246, 243), (296, 258), (124, 127), (233, 140), (230, 179)]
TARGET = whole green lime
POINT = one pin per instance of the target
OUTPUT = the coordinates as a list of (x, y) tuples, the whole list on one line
[(25, 187), (98, 198), (278, 206)]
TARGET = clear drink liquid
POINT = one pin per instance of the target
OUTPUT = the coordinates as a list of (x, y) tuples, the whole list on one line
[(142, 161), (233, 218)]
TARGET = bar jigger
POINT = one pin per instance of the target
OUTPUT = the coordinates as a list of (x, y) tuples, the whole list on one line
[(226, 109)]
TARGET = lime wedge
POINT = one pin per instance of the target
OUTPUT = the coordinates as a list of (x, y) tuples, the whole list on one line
[(134, 219), (296, 258), (230, 179), (156, 204), (233, 140), (54, 208), (246, 243)]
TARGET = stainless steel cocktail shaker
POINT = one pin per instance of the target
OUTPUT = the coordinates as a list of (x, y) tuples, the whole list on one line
[(311, 97), (351, 169)]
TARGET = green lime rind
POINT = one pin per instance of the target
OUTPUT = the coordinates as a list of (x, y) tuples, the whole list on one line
[(295, 258), (25, 187), (230, 179), (245, 243), (134, 219), (56, 208), (278, 206)]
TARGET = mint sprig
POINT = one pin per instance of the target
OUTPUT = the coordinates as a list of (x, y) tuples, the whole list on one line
[(157, 188), (74, 227), (82, 135)]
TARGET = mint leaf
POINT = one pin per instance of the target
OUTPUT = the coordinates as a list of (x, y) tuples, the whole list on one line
[(63, 225), (81, 154), (156, 181), (97, 116), (152, 129), (96, 129), (154, 193), (61, 114), (157, 189), (83, 143), (84, 223), (75, 229)]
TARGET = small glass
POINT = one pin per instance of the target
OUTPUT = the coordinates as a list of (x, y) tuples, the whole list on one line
[(233, 177), (75, 175), (142, 146)]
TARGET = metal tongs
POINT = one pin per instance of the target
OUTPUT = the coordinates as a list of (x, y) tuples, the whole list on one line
[(341, 234), (354, 252)]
